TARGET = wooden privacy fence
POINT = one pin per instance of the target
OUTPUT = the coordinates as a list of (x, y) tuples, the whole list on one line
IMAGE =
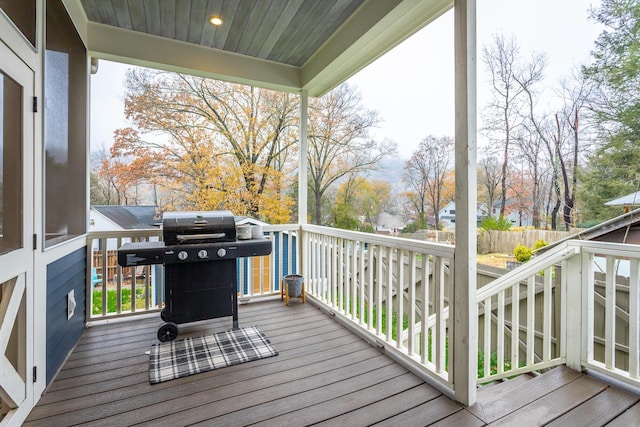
[(495, 241), (112, 263)]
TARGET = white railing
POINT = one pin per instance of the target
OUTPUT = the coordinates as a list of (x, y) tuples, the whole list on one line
[(114, 291), (577, 304), (394, 291), (610, 315)]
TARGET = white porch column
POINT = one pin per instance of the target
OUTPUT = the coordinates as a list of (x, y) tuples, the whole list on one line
[(303, 168), (302, 159), (465, 313)]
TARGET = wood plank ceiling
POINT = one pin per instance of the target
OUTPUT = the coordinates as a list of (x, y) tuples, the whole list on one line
[(283, 31)]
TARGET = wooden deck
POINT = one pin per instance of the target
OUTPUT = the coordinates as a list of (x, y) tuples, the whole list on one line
[(324, 374)]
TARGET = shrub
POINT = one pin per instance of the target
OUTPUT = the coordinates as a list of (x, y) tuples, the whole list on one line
[(522, 253), (539, 244), (493, 223)]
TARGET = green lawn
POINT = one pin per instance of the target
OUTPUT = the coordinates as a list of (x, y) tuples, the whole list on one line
[(112, 300)]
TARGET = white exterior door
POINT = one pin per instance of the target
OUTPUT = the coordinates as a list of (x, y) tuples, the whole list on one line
[(16, 241)]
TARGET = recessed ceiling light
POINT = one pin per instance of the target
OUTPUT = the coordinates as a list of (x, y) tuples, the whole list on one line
[(215, 20)]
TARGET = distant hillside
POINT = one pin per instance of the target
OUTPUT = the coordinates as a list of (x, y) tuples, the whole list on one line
[(391, 170)]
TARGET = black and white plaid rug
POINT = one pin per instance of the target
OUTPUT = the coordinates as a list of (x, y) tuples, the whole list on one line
[(180, 358)]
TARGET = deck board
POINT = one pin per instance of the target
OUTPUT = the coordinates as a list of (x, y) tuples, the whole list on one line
[(590, 413), (543, 410), (324, 374)]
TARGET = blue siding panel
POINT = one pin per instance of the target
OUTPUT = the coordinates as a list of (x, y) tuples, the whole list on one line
[(243, 265), (63, 275)]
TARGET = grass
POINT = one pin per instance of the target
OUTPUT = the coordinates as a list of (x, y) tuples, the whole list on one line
[(405, 325), (112, 301)]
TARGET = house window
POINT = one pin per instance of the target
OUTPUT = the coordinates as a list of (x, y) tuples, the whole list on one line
[(23, 14), (10, 164), (452, 211), (65, 93)]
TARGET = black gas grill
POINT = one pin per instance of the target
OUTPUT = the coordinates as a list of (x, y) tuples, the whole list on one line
[(199, 254)]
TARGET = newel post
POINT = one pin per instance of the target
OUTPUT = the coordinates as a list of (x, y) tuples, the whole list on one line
[(464, 319), (575, 309)]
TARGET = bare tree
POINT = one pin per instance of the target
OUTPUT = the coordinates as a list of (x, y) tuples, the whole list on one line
[(575, 93), (562, 139), (338, 142), (509, 78), (532, 149), (490, 177), (425, 174)]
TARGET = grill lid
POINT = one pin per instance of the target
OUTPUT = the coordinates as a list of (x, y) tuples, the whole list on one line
[(198, 227)]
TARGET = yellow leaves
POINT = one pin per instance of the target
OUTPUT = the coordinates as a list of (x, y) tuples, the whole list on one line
[(209, 144)]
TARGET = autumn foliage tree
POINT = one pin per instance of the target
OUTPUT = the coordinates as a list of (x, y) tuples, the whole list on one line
[(358, 202), (210, 144)]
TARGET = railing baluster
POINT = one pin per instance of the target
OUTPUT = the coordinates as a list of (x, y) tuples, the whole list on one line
[(515, 325), (370, 287), (389, 293), (531, 303), (362, 284), (424, 321), (399, 298), (547, 313), (588, 285), (441, 333), (487, 337), (379, 297), (105, 277), (500, 332), (634, 319), (610, 314), (341, 275), (412, 307), (334, 271), (353, 267)]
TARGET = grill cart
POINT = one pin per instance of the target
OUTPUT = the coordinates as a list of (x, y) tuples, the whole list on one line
[(199, 254)]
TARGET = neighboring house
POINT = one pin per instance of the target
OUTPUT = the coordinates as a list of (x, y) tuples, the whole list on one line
[(448, 214), (628, 202), (115, 217), (621, 229), (515, 215), (388, 224), (242, 220)]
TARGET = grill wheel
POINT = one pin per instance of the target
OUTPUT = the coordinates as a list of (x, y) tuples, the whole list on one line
[(168, 332)]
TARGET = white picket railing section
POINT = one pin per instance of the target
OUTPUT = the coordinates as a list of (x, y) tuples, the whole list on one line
[(577, 304), (394, 291), (114, 291)]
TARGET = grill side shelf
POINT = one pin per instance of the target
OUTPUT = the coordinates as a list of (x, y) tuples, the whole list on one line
[(141, 253), (253, 247)]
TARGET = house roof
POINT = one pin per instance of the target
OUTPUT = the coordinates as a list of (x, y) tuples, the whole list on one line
[(288, 45), (131, 217), (622, 229), (632, 199)]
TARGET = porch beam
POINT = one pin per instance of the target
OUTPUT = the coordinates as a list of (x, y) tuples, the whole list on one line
[(465, 318)]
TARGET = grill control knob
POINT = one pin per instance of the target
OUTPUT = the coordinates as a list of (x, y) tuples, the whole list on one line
[(222, 252), (202, 254), (182, 255)]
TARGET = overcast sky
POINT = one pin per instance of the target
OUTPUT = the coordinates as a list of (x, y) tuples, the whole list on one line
[(411, 87)]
